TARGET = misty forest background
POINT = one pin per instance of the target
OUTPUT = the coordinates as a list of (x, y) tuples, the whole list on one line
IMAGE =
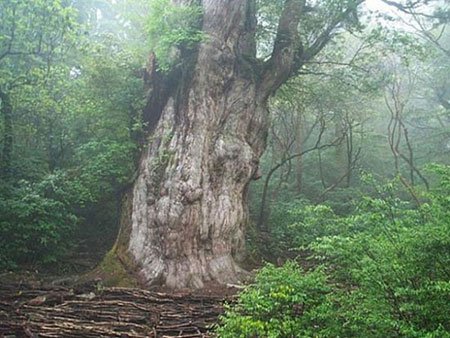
[(351, 216)]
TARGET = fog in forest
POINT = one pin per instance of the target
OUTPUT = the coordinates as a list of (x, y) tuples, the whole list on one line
[(296, 150)]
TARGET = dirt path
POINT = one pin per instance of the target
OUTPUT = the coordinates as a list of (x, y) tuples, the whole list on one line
[(39, 311)]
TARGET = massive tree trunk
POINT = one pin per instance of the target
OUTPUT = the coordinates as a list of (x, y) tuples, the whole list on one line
[(186, 215), (188, 208)]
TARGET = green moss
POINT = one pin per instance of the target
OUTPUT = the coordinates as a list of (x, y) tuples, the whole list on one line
[(117, 267), (113, 272)]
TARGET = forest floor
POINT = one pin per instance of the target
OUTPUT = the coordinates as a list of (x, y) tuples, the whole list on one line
[(34, 308), (50, 302)]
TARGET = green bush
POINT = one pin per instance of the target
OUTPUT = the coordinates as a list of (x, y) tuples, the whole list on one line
[(385, 274), (104, 167), (395, 265), (283, 302), (297, 223), (36, 222)]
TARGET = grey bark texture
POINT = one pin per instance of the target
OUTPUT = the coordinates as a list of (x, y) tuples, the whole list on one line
[(185, 224), (188, 211)]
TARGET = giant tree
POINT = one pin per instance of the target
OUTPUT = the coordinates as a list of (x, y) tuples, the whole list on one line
[(184, 218)]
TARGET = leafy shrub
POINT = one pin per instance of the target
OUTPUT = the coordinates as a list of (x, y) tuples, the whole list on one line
[(396, 273), (297, 223), (283, 302), (36, 222), (104, 166), (388, 274)]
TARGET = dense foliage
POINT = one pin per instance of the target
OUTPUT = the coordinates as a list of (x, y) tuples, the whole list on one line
[(172, 30), (383, 271), (70, 118), (363, 259)]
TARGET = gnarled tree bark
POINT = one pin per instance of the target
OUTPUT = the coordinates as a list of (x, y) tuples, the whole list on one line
[(185, 221)]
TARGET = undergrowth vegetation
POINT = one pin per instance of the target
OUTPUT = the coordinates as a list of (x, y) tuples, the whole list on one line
[(382, 271), (361, 259)]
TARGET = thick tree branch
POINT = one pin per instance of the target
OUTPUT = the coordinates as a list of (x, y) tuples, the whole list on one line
[(247, 41), (289, 54), (287, 47)]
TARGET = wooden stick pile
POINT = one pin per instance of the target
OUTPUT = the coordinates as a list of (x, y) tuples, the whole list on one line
[(104, 312)]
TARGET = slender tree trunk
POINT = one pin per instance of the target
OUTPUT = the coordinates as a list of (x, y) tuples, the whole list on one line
[(340, 153), (349, 152), (7, 150), (299, 149)]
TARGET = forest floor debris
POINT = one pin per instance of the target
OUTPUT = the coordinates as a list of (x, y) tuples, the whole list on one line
[(33, 310)]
